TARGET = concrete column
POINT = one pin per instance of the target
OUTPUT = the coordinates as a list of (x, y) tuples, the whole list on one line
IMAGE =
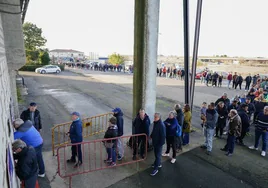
[(14, 44), (145, 55)]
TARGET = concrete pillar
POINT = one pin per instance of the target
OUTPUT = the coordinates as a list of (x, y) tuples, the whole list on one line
[(145, 55), (14, 44)]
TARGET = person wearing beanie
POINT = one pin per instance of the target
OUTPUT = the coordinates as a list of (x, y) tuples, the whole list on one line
[(26, 165), (111, 132)]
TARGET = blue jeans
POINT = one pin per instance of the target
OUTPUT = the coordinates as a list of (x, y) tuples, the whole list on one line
[(231, 143), (258, 134), (185, 138), (208, 133), (111, 154), (40, 161), (229, 82), (157, 154)]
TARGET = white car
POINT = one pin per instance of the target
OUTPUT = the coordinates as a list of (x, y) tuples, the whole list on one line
[(48, 69)]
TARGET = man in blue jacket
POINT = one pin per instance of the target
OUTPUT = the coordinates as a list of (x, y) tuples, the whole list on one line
[(210, 124), (76, 136), (28, 133), (120, 125), (141, 125), (158, 136)]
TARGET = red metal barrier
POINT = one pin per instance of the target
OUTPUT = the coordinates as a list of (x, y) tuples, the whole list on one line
[(93, 153)]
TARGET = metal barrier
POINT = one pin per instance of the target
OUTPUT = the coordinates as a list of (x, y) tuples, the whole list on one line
[(91, 126), (94, 152)]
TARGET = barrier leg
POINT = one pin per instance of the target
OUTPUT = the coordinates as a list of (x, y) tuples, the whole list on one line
[(70, 182)]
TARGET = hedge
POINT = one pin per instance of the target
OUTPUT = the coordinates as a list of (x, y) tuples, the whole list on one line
[(32, 68)]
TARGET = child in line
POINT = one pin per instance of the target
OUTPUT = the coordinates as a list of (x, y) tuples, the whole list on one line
[(203, 113)]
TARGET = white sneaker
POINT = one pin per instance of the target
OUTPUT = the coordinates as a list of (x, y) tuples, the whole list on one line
[(263, 153), (165, 154), (253, 147), (41, 175), (173, 160)]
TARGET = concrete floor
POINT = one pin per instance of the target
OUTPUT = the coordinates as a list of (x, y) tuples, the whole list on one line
[(93, 93)]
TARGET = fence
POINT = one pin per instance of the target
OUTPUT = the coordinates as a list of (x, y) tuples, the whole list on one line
[(91, 126), (94, 153)]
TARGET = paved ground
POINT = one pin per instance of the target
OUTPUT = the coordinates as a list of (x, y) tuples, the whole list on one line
[(96, 93)]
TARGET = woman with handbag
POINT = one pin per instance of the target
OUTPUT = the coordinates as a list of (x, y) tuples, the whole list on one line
[(172, 127), (186, 124), (110, 145)]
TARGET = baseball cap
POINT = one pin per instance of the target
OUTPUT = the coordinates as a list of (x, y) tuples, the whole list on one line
[(75, 113), (32, 104), (116, 110)]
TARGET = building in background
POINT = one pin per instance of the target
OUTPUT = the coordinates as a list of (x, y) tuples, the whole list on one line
[(66, 55)]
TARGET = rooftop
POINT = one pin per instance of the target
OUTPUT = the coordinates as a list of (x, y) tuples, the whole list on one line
[(66, 50)]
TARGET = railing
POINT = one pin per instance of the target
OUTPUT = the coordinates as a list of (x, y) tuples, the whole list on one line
[(94, 153), (91, 126)]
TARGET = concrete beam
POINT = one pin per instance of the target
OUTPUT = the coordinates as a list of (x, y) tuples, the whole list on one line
[(145, 55)]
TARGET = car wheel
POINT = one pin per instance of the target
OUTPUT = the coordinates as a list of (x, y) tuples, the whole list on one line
[(43, 72), (57, 71)]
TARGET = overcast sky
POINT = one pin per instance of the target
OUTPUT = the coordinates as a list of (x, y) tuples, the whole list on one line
[(232, 27)]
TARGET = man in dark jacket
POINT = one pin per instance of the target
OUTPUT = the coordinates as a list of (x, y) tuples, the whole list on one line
[(158, 138), (223, 99), (141, 125), (210, 124), (248, 82), (26, 168), (251, 108), (234, 105), (239, 81), (33, 115), (242, 112), (261, 131), (223, 114), (234, 79), (120, 125), (28, 134), (76, 136)]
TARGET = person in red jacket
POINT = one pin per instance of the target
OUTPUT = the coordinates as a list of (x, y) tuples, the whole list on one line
[(229, 78)]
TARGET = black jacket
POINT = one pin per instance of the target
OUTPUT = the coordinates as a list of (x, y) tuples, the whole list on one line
[(111, 132), (120, 122), (142, 126), (239, 79), (248, 79), (158, 134), (259, 106), (225, 101), (231, 106), (26, 115), (244, 119), (27, 163), (180, 116), (223, 114), (252, 97), (251, 109)]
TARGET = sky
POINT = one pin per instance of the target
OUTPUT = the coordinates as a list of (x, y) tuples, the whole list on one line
[(231, 27)]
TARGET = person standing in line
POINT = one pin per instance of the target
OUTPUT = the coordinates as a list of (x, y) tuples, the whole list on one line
[(180, 119), (248, 82), (235, 127), (76, 137), (172, 125), (210, 124), (234, 79), (229, 78), (220, 80), (239, 81), (158, 136), (26, 166), (223, 114), (251, 108), (110, 145), (203, 113), (28, 133), (187, 124), (224, 99), (242, 112), (33, 115), (120, 125), (261, 131), (141, 125)]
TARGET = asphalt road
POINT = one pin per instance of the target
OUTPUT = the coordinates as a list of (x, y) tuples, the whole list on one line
[(58, 95)]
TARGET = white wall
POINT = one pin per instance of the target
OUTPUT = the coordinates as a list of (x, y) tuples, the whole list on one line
[(6, 132)]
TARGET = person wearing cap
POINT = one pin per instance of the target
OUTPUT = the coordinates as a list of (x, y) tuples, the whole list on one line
[(76, 137), (111, 132), (223, 99), (242, 112), (26, 166), (120, 125), (261, 131), (33, 115), (234, 105), (27, 133)]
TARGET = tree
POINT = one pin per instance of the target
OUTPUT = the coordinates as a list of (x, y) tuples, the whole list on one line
[(116, 59), (44, 58), (33, 38)]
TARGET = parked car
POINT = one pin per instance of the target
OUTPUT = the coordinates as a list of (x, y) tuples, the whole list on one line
[(48, 69)]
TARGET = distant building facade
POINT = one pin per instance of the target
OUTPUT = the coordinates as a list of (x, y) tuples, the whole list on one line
[(66, 54)]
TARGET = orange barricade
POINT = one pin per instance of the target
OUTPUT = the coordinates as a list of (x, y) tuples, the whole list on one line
[(95, 152)]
